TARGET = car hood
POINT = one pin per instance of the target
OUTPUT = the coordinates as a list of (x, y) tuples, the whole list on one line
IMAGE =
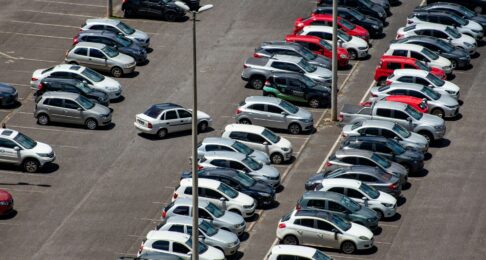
[(224, 237), (431, 120), (243, 199), (42, 148), (5, 196), (413, 154), (260, 156), (356, 41), (386, 198), (465, 38), (358, 230), (443, 62), (262, 187), (373, 21), (268, 171), (481, 19), (359, 30), (321, 72), (302, 113), (321, 61), (397, 168), (201, 115), (100, 109), (347, 130), (450, 86), (212, 253), (123, 59), (417, 138), (474, 25), (437, 72), (231, 218), (284, 143), (98, 94), (365, 212), (447, 100), (108, 84), (139, 35)]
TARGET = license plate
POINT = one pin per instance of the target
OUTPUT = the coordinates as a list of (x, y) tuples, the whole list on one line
[(140, 122)]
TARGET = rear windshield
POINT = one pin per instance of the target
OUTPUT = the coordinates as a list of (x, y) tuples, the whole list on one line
[(47, 70), (153, 112)]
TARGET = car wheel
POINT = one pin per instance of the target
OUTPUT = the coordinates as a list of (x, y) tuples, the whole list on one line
[(454, 64), (43, 119), (352, 54), (348, 247), (478, 9), (170, 16), (314, 102), (30, 165), (91, 124), (257, 82), (162, 133), (116, 72), (276, 158), (438, 112), (202, 127), (245, 121), (295, 129), (379, 214), (290, 240), (427, 136)]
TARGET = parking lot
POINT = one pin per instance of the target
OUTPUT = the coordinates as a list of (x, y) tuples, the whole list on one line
[(107, 187)]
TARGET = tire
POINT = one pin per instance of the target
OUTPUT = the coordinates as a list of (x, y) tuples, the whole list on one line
[(257, 82), (428, 136), (295, 129), (276, 158), (170, 16), (43, 119), (91, 124), (348, 247), (353, 55), (315, 102), (162, 133), (202, 127), (245, 121), (116, 72), (30, 165), (290, 240), (437, 112), (379, 214)]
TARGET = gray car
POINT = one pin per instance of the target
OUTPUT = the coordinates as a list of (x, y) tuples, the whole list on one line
[(214, 144), (340, 205), (225, 220), (101, 57), (119, 27), (373, 176), (223, 240), (274, 113), (72, 108), (268, 49)]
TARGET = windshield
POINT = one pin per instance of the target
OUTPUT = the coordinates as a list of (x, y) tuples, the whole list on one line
[(435, 80), (401, 131), (343, 36), (381, 161), (292, 109), (340, 222), (308, 82), (271, 136), (25, 141), (227, 191), (430, 93), (252, 164), (318, 255), (430, 54), (215, 211), (123, 40), (308, 55), (110, 51), (244, 179), (356, 125), (466, 12), (422, 66), (366, 4), (242, 148), (350, 204), (458, 19), (325, 44), (125, 28), (92, 75), (395, 146), (453, 32), (413, 112), (370, 191), (307, 66), (201, 246), (84, 102), (445, 46), (346, 24), (84, 87), (356, 14), (208, 228)]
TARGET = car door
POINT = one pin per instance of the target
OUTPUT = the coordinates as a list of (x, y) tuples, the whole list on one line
[(383, 150), (296, 90), (80, 54), (55, 109), (171, 121), (355, 194), (211, 196), (326, 236), (185, 118), (180, 250), (401, 117), (8, 152), (307, 232), (73, 112), (98, 60), (275, 118), (258, 142), (383, 114), (152, 7), (257, 114), (278, 66), (161, 245)]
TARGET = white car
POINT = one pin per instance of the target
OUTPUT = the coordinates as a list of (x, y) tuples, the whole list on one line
[(440, 31), (383, 203), (178, 244), (425, 78), (211, 144), (357, 47), (420, 53), (19, 149), (280, 252), (117, 27), (220, 194), (262, 139), (70, 71), (465, 26), (323, 229)]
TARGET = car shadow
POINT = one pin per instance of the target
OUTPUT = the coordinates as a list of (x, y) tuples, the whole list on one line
[(476, 55), (481, 43), (237, 255), (10, 215), (279, 189), (399, 3), (14, 105), (451, 77), (346, 68), (378, 36), (172, 135), (131, 75), (420, 173), (146, 62), (244, 236), (456, 118), (272, 206), (406, 186), (370, 251), (117, 100), (253, 218), (442, 143), (365, 58), (467, 67), (377, 231), (78, 126), (149, 50), (460, 102), (401, 200), (427, 156), (393, 218)]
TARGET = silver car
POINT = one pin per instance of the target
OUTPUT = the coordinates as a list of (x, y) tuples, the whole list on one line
[(214, 144), (118, 27), (72, 108), (223, 240), (101, 57), (274, 113)]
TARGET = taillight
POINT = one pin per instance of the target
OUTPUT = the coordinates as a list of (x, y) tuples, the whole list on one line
[(267, 82), (40, 86), (399, 36), (365, 104), (75, 40), (244, 66), (65, 54), (124, 1), (175, 195), (199, 167), (281, 225), (297, 207), (34, 79), (256, 55), (340, 117), (164, 214), (238, 111), (141, 248), (393, 186), (328, 164), (149, 125), (373, 95), (388, 82)]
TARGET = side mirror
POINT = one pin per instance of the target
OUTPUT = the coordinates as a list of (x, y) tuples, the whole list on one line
[(430, 86), (201, 237), (16, 148), (335, 234), (265, 143), (409, 119), (365, 199), (85, 82), (340, 43), (223, 201), (80, 109), (284, 113)]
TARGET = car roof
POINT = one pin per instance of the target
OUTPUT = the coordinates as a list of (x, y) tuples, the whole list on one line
[(64, 80), (368, 138), (218, 140), (220, 171), (397, 58), (341, 182), (405, 85), (327, 195), (188, 202), (390, 104), (413, 72), (294, 75), (180, 219), (406, 46), (202, 183), (280, 45), (304, 251), (60, 94), (255, 129), (313, 213), (225, 154), (419, 38), (425, 25), (263, 99), (403, 98), (165, 106), (98, 33), (353, 152), (378, 123), (89, 45), (321, 28), (6, 132), (287, 58), (167, 235), (306, 38), (113, 22)]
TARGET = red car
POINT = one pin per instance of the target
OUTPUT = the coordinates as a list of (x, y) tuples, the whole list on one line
[(6, 203), (319, 46), (326, 19), (389, 63), (417, 103)]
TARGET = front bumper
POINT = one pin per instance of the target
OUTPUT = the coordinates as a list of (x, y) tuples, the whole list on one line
[(248, 213), (231, 250), (114, 94), (364, 244), (44, 160), (390, 212), (438, 134), (265, 201), (287, 156), (239, 230), (129, 70), (105, 120), (451, 112)]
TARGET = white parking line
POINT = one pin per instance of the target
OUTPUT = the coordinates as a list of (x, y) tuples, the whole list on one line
[(68, 3), (329, 154), (54, 13), (17, 190), (65, 146), (388, 225), (158, 202), (9, 224), (150, 219), (295, 137), (346, 256), (137, 236), (48, 129), (37, 35), (46, 24), (385, 243)]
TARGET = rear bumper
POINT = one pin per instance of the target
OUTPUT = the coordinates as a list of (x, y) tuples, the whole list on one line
[(144, 129)]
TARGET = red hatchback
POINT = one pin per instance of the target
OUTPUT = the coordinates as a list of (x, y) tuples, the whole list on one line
[(326, 19), (6, 203), (320, 46), (417, 103), (390, 63)]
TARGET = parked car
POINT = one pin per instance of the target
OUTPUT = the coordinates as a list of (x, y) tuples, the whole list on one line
[(411, 159), (163, 9), (372, 176), (19, 149), (166, 118), (296, 252), (274, 113), (211, 235), (8, 95), (460, 10), (384, 205), (71, 108), (268, 49), (389, 130), (388, 64), (297, 88), (420, 104), (214, 144), (238, 161), (118, 27), (478, 6), (338, 204), (50, 84), (424, 78), (459, 57), (119, 42), (356, 47), (257, 70), (263, 193), (323, 229), (6, 203), (371, 24), (208, 211), (441, 105), (68, 71), (262, 139), (320, 46), (178, 244), (153, 256), (364, 6), (326, 20)]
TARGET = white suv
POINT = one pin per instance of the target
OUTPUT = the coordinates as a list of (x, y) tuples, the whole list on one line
[(425, 78), (19, 149), (262, 139), (220, 194), (420, 53)]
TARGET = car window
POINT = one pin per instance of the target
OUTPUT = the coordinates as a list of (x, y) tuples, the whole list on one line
[(97, 27), (56, 102), (416, 94), (422, 81), (179, 248), (333, 206), (183, 113), (387, 133), (60, 74), (350, 160), (398, 92), (371, 131), (181, 210), (204, 214), (213, 147), (170, 115), (418, 56), (81, 51), (274, 109), (337, 190), (366, 178), (279, 65), (220, 163), (54, 86), (295, 84), (294, 68), (7, 144), (177, 228), (381, 148), (400, 115), (96, 54), (254, 138), (305, 222), (352, 193), (399, 53), (314, 47), (188, 191), (393, 66), (281, 82), (258, 107), (70, 104), (69, 88), (161, 245), (407, 79), (365, 161), (237, 166), (383, 112), (209, 193), (239, 136), (366, 146), (319, 204), (322, 225)]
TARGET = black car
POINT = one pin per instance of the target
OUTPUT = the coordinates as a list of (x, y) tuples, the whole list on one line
[(411, 159), (72, 86), (478, 6), (117, 41), (364, 6), (373, 25), (8, 95), (459, 57), (261, 192), (165, 9), (457, 9)]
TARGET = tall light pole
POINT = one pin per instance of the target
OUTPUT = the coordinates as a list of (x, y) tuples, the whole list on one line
[(195, 197), (334, 62), (109, 9)]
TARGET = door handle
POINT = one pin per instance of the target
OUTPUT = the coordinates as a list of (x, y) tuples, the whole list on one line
[(300, 232)]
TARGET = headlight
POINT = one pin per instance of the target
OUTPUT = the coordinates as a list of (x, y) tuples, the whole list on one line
[(264, 194), (388, 205), (364, 238), (343, 56), (451, 92), (362, 48), (376, 27), (44, 154), (467, 44), (438, 127), (285, 149), (111, 88), (370, 220), (248, 206), (305, 120), (476, 31)]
